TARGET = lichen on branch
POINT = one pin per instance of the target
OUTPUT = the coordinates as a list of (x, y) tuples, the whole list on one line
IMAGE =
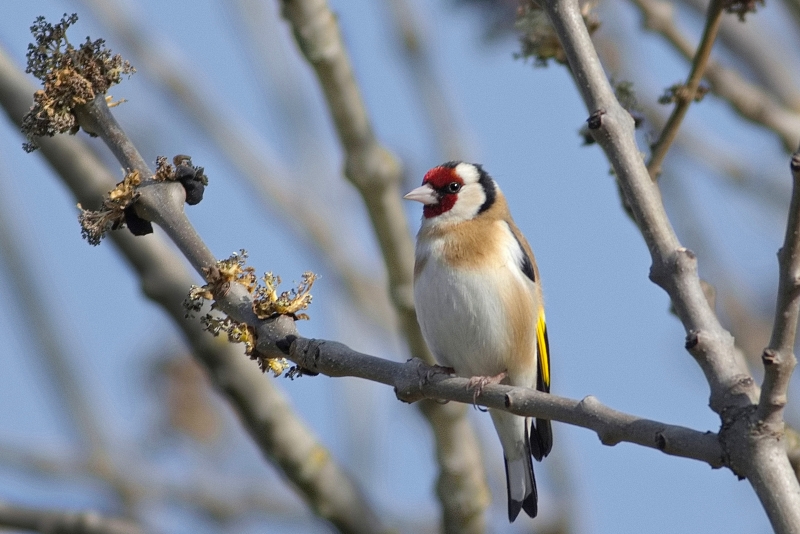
[(70, 77)]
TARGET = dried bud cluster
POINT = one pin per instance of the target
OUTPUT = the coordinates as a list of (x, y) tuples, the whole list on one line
[(71, 77), (117, 210), (118, 205), (192, 178), (538, 39), (678, 92), (266, 303)]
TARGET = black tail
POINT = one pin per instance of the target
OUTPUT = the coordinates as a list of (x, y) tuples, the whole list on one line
[(531, 501), (541, 439)]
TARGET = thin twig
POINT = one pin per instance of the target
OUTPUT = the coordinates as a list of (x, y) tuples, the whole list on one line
[(58, 521), (755, 46), (211, 493), (778, 358), (376, 174), (749, 100), (437, 104), (688, 92)]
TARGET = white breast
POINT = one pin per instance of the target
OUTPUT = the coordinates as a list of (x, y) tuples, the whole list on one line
[(462, 312)]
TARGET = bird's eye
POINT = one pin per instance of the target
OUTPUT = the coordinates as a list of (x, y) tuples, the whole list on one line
[(453, 187)]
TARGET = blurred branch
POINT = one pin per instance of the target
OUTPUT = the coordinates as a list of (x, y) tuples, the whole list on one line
[(376, 174), (750, 101), (753, 450), (686, 94), (258, 29), (751, 44), (248, 153), (778, 358), (224, 500), (49, 346), (62, 522), (436, 104), (282, 436), (794, 8)]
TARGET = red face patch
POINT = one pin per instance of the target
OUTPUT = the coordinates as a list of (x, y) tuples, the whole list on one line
[(441, 178)]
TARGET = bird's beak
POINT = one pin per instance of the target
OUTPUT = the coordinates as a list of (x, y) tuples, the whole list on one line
[(424, 194)]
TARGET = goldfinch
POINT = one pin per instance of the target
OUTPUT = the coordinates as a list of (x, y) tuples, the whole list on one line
[(479, 304)]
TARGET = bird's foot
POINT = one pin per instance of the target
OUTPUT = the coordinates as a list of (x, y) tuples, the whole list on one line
[(438, 369), (477, 383)]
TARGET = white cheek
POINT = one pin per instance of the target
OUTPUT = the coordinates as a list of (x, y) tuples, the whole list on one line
[(469, 202)]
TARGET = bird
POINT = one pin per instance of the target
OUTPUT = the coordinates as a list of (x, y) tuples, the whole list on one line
[(478, 299)]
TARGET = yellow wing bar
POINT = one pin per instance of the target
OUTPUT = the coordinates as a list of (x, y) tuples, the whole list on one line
[(544, 352)]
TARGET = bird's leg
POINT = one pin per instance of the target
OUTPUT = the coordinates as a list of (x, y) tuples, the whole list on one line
[(477, 383)]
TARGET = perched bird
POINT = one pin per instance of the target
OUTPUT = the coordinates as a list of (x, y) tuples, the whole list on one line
[(479, 304)]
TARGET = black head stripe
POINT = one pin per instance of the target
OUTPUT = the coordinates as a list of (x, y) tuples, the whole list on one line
[(488, 188)]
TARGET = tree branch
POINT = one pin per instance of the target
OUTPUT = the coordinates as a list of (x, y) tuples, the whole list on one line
[(778, 358), (674, 267), (752, 450), (686, 94), (415, 380), (282, 436), (62, 522)]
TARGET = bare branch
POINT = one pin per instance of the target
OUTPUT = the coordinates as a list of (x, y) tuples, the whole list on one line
[(750, 101), (778, 358), (415, 380), (62, 522), (282, 437), (674, 267), (686, 94), (437, 104)]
